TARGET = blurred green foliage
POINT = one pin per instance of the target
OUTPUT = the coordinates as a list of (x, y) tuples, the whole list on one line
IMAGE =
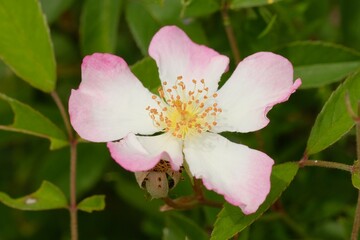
[(315, 35)]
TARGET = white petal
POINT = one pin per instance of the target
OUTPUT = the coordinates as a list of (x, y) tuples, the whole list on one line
[(138, 153), (110, 101), (239, 173), (259, 82), (176, 55)]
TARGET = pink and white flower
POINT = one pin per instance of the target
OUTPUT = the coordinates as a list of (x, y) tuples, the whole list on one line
[(111, 104)]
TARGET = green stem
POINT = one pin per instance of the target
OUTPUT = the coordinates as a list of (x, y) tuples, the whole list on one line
[(73, 206), (63, 113), (358, 133), (189, 202), (199, 194), (230, 31), (356, 225), (73, 160), (326, 164), (180, 205), (355, 229)]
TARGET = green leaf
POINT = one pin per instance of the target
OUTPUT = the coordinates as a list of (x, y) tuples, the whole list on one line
[(146, 71), (54, 8), (197, 8), (231, 220), (154, 16), (180, 227), (25, 43), (29, 121), (93, 203), (355, 175), (142, 29), (319, 63), (334, 120), (236, 4), (47, 197), (99, 25)]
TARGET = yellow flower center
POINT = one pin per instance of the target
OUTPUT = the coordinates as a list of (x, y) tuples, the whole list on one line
[(184, 112)]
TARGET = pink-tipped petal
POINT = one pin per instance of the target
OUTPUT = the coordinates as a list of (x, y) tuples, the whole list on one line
[(259, 82), (138, 153), (239, 173), (110, 101), (176, 55)]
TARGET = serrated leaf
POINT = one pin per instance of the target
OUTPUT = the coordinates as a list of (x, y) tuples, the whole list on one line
[(355, 175), (99, 25), (180, 227), (236, 4), (25, 44), (319, 63), (47, 197), (29, 121), (334, 120), (231, 220), (93, 203)]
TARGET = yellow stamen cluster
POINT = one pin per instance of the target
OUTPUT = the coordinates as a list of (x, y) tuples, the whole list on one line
[(185, 112)]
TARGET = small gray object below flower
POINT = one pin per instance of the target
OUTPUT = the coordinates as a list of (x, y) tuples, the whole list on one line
[(159, 180)]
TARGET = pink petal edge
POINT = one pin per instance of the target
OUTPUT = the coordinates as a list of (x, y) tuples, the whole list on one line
[(177, 55), (107, 91), (259, 82), (239, 173), (136, 156)]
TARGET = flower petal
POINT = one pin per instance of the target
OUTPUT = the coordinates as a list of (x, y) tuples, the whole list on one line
[(110, 101), (140, 153), (176, 55), (239, 173), (259, 82)]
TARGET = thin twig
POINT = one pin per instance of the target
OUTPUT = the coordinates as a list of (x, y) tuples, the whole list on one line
[(189, 202), (63, 113), (183, 203), (73, 160), (230, 31), (73, 207), (356, 225), (211, 203), (355, 229), (199, 194), (326, 164)]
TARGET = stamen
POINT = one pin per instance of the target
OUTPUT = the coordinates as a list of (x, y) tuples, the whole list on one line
[(183, 112)]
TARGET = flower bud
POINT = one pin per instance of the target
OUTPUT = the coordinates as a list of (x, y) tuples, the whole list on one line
[(159, 180)]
